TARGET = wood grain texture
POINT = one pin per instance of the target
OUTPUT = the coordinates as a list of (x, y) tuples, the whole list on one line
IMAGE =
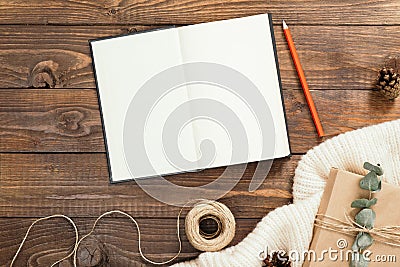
[(77, 185), (56, 120), (89, 12), (68, 120), (50, 56), (115, 238), (333, 57), (44, 44), (340, 111)]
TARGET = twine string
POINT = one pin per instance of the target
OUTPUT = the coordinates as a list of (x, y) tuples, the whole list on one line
[(139, 237), (43, 219), (350, 227), (79, 241), (202, 206)]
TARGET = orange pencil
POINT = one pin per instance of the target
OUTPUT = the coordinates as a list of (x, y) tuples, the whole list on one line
[(303, 81)]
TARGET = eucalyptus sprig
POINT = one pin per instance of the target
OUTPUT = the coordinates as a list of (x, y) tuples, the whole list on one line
[(366, 216)]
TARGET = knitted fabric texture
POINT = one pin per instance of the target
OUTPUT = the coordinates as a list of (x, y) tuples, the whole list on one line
[(290, 227)]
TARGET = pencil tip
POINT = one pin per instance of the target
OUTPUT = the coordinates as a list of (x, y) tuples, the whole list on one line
[(284, 25)]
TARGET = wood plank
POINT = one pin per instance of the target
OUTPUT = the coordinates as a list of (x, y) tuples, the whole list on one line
[(77, 185), (340, 111), (333, 57), (44, 120), (368, 12), (116, 238), (50, 56), (51, 120)]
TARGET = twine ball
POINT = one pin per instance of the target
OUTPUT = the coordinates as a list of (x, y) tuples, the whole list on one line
[(221, 215)]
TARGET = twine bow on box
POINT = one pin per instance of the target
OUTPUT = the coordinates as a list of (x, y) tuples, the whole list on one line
[(351, 228)]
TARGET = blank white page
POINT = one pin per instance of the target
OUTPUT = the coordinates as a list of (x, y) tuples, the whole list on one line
[(246, 45), (123, 65)]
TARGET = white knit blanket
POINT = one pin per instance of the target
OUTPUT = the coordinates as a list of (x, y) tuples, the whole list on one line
[(290, 227)]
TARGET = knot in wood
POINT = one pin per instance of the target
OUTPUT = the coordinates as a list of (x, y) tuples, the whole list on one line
[(69, 120), (129, 30), (91, 253), (43, 75), (112, 11)]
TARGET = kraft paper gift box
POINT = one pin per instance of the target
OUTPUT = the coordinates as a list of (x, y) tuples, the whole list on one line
[(341, 189)]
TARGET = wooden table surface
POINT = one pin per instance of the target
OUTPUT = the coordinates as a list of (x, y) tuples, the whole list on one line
[(52, 155)]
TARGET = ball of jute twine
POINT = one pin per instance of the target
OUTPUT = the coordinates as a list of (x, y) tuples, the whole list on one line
[(223, 218)]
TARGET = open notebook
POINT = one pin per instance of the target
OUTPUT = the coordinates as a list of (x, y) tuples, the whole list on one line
[(144, 142)]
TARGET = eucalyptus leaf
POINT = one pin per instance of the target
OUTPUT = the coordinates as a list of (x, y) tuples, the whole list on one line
[(379, 187), (363, 203), (355, 246), (359, 260), (366, 218), (370, 182), (377, 169), (364, 240), (373, 201)]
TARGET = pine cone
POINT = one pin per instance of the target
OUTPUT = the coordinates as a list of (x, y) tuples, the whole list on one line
[(388, 83), (278, 259)]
